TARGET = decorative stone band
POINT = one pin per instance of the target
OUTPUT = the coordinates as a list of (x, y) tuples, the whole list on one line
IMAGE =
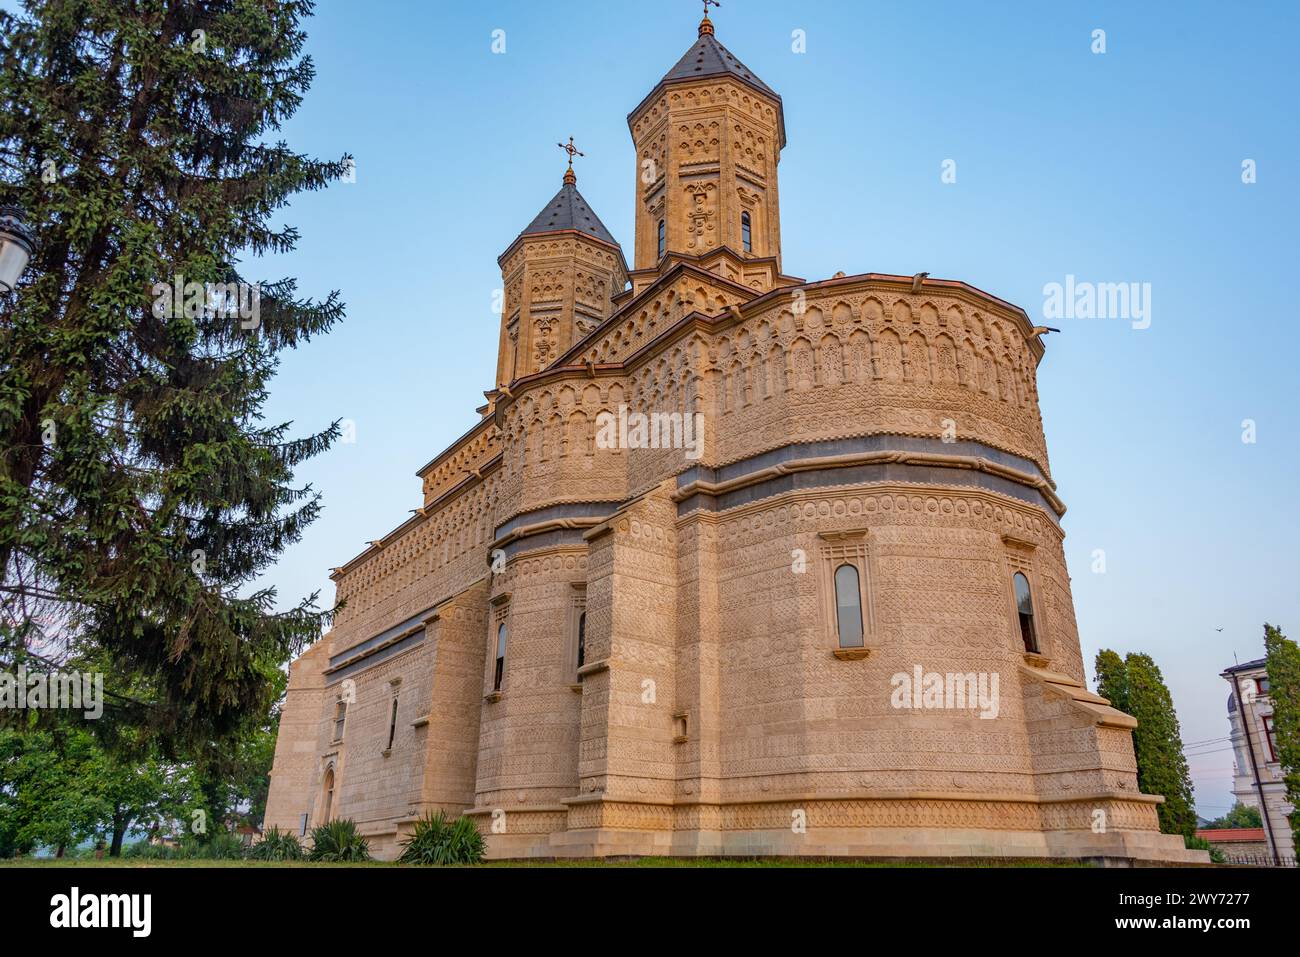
[(387, 644), (534, 819), (550, 533), (866, 460), (873, 442), (867, 467), (921, 810)]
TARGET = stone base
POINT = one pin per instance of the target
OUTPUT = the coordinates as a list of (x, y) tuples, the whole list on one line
[(532, 833), (1116, 848)]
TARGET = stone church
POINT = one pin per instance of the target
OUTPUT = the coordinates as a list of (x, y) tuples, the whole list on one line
[(839, 623)]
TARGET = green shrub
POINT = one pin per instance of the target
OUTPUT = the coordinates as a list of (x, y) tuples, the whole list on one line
[(144, 851), (338, 841), (221, 846), (435, 840), (277, 845), (1201, 844)]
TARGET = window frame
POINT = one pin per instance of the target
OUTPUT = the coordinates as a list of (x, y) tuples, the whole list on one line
[(1033, 614), (835, 550), (576, 631), (1266, 721), (392, 723), (746, 231), (501, 642), (581, 656), (329, 785), (857, 594), (340, 719), (499, 615), (1019, 559)]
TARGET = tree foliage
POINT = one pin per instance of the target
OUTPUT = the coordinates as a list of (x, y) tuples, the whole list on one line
[(1283, 664), (1136, 686), (1112, 680), (1239, 816), (141, 491)]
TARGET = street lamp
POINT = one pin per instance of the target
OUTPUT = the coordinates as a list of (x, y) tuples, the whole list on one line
[(16, 243)]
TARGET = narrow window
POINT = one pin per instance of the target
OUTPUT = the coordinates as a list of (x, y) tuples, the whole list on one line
[(848, 606), (340, 717), (501, 657), (329, 794), (392, 725), (582, 641), (746, 233), (1270, 737), (1025, 610), (661, 239)]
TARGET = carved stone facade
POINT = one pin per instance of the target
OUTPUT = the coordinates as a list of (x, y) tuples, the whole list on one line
[(678, 676)]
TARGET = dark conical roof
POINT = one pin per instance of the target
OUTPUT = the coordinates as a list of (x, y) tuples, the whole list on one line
[(707, 58), (568, 210)]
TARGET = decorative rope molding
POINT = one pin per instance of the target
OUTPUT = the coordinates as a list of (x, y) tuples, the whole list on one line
[(930, 459), (537, 528)]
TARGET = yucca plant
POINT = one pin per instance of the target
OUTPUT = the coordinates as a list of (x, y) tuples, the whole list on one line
[(338, 841), (467, 845), (435, 840), (277, 845), (145, 851), (221, 846)]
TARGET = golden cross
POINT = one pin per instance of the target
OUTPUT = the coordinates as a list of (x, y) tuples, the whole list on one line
[(571, 150)]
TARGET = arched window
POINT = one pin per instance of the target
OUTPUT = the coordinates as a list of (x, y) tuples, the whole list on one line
[(501, 657), (661, 239), (746, 232), (1025, 611), (582, 639), (328, 788), (848, 606), (340, 718)]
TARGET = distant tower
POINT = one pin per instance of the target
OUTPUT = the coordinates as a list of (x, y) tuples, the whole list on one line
[(559, 276), (708, 139)]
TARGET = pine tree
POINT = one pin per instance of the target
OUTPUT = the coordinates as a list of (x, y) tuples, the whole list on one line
[(1158, 745), (139, 485), (1135, 686), (1112, 680), (1283, 664)]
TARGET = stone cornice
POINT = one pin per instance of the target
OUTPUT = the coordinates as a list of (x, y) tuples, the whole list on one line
[(712, 80), (537, 528), (422, 515), (556, 233), (452, 449), (977, 463), (885, 488)]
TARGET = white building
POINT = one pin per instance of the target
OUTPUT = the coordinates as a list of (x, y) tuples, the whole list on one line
[(1255, 753)]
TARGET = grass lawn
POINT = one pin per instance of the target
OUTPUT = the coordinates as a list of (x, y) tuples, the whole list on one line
[(616, 862)]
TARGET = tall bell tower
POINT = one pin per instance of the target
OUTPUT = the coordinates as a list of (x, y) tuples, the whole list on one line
[(708, 139), (559, 278)]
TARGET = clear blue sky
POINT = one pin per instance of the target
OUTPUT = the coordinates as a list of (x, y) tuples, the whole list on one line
[(1117, 167)]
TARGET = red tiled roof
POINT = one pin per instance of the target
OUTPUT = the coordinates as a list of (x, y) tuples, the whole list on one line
[(1226, 835)]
